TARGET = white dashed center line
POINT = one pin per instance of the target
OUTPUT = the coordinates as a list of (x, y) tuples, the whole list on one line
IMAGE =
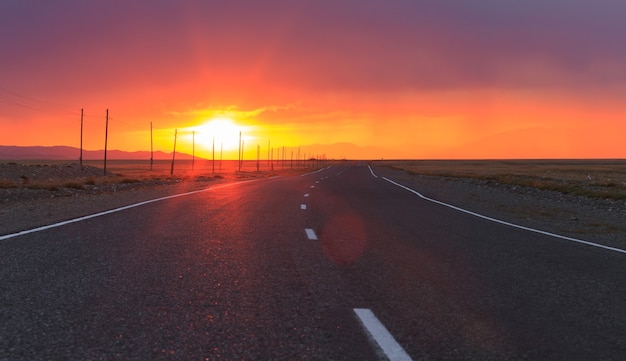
[(303, 206), (311, 234), (384, 340), (306, 195)]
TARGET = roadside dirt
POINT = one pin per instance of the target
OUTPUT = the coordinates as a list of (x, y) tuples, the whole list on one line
[(36, 195), (580, 217)]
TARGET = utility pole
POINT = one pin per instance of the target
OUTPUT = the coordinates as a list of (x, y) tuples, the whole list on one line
[(151, 148), (174, 152), (213, 155), (221, 153), (239, 155), (193, 148), (258, 156), (106, 136), (268, 154), (81, 137)]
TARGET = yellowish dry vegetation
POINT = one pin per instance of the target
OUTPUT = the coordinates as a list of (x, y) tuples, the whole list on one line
[(592, 178), (53, 175)]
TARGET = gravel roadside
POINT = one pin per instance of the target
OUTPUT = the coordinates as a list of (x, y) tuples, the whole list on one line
[(595, 220), (37, 195), (23, 209), (590, 219)]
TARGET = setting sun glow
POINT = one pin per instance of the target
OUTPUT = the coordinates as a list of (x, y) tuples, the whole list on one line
[(222, 132), (401, 80)]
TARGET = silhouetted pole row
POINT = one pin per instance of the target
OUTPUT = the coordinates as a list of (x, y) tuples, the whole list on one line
[(293, 159), (273, 153)]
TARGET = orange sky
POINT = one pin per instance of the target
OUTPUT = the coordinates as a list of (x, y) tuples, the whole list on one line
[(364, 79)]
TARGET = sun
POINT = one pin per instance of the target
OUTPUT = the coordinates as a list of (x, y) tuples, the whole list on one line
[(221, 132)]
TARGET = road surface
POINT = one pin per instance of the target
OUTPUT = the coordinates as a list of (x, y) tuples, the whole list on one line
[(303, 268)]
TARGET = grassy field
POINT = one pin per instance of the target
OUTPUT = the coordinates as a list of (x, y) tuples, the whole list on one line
[(50, 174), (591, 178), (187, 168)]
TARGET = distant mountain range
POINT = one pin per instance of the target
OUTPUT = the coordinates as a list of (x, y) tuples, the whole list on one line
[(72, 153), (343, 151), (330, 151)]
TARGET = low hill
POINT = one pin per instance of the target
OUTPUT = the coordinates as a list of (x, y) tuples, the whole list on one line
[(71, 153)]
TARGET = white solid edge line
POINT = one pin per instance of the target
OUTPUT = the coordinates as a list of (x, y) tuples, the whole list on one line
[(310, 234), (504, 222), (317, 171), (377, 331), (83, 218), (372, 171)]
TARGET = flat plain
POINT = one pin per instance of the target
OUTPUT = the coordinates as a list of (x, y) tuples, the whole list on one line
[(598, 178), (583, 199), (593, 178)]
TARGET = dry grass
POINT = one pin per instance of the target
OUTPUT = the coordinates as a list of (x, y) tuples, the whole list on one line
[(131, 172), (590, 178)]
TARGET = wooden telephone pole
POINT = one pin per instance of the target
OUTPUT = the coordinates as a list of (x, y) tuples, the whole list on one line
[(174, 152), (151, 148), (240, 152), (193, 149), (81, 137), (106, 138), (268, 154), (258, 156)]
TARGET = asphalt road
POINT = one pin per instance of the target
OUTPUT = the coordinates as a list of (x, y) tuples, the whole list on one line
[(274, 270)]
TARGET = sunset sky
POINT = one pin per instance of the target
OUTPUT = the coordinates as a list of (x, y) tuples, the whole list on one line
[(394, 78)]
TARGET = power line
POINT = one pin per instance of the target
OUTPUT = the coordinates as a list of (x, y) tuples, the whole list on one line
[(14, 98)]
